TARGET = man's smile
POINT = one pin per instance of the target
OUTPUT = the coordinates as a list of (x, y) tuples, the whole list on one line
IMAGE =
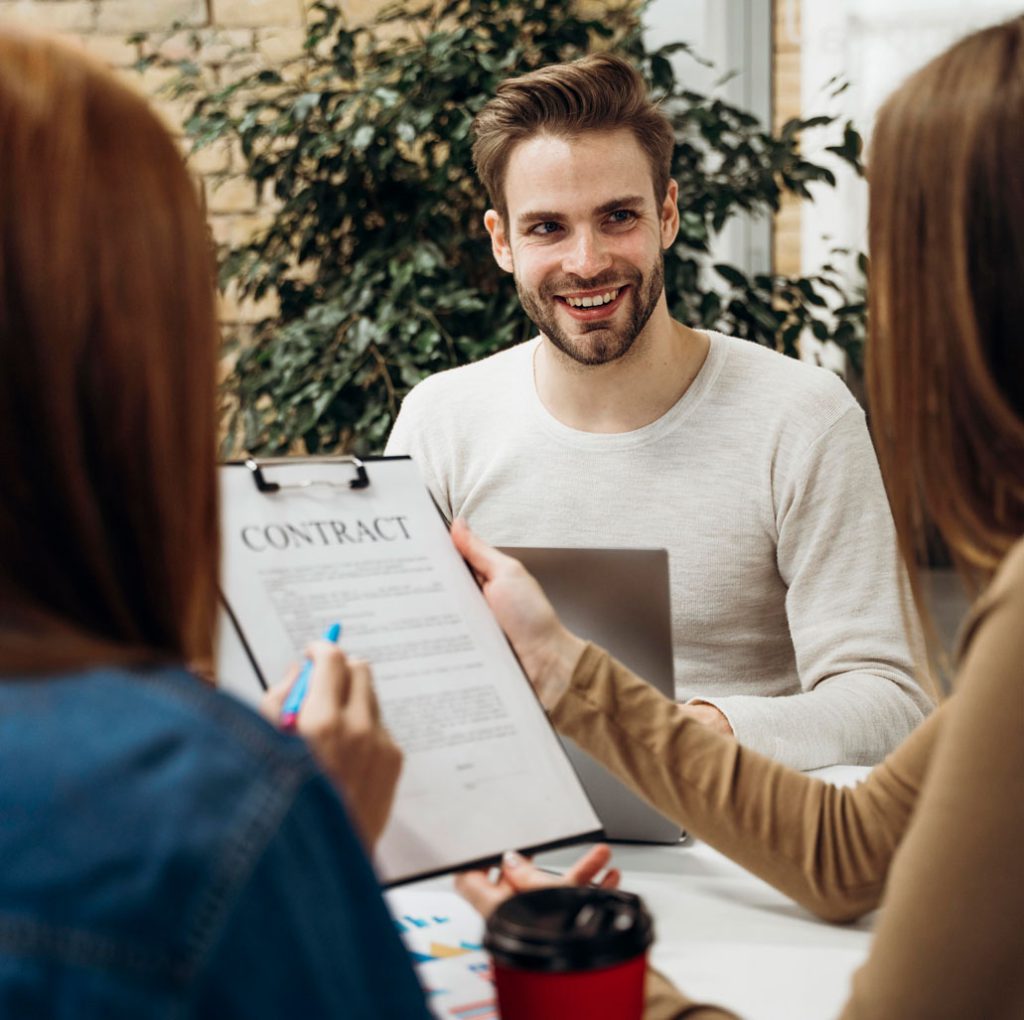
[(589, 306)]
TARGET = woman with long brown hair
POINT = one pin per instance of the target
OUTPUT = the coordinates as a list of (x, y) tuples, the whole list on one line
[(164, 850), (937, 827)]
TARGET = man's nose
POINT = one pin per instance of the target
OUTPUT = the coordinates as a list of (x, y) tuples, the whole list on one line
[(587, 255)]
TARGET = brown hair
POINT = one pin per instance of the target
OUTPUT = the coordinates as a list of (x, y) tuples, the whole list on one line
[(945, 366), (108, 506), (601, 92)]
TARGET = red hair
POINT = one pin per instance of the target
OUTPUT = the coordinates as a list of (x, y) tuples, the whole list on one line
[(108, 338)]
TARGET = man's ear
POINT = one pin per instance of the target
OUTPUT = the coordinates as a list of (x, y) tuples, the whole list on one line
[(499, 239), (670, 216)]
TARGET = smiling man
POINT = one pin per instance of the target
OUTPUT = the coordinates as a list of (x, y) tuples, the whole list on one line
[(618, 426)]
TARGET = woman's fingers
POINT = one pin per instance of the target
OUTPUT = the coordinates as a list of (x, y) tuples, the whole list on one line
[(340, 719), (480, 892), (586, 869), (328, 687), (363, 708), (518, 874), (272, 702), (522, 875), (480, 556)]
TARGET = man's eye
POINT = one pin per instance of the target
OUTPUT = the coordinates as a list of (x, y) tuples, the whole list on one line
[(545, 228), (622, 216)]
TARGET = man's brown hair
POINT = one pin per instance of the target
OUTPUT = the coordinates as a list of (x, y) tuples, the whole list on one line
[(601, 92), (945, 365), (108, 341)]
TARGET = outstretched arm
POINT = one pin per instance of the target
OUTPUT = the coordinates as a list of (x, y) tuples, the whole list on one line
[(828, 848)]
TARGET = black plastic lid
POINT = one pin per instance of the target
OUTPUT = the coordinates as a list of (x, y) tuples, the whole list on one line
[(568, 928)]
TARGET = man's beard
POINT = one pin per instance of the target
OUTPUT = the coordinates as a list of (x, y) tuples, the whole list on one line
[(596, 343)]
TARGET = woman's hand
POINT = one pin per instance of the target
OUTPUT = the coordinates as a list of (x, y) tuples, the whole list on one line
[(340, 720), (547, 650), (517, 874)]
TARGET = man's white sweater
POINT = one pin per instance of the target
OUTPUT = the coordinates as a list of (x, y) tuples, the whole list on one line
[(762, 484)]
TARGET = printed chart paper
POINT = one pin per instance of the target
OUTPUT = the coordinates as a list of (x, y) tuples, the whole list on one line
[(483, 768), (444, 937)]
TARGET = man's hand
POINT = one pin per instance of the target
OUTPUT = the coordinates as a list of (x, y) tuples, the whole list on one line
[(547, 650), (340, 720), (709, 716), (517, 874)]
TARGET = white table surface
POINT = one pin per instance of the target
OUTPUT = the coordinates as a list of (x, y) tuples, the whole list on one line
[(726, 937)]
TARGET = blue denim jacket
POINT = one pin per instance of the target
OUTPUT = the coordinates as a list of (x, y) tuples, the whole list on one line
[(166, 853)]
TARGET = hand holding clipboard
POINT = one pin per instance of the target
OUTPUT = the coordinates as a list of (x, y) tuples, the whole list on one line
[(306, 540), (332, 705)]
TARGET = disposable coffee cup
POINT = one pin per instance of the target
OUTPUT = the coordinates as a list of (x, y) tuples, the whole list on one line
[(570, 953)]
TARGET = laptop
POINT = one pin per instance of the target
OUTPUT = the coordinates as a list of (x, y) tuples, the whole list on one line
[(619, 599)]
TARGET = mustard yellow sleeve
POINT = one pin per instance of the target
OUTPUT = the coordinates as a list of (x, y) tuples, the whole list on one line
[(949, 942), (828, 848), (663, 1001)]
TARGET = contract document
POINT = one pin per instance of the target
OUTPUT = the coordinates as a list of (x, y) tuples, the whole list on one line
[(310, 542)]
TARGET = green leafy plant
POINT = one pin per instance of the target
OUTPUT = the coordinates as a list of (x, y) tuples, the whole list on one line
[(377, 250)]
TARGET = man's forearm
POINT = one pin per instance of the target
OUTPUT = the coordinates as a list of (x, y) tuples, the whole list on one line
[(853, 719)]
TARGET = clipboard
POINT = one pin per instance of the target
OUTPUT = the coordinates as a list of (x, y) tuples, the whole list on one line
[(311, 541)]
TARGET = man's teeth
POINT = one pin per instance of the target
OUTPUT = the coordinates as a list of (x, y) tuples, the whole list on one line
[(593, 302)]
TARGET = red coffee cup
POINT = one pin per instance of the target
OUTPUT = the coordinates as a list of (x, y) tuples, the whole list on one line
[(570, 953)]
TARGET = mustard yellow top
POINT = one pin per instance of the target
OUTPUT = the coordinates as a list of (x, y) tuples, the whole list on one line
[(938, 827)]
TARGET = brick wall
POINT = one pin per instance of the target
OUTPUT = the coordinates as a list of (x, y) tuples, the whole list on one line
[(236, 36), (786, 82)]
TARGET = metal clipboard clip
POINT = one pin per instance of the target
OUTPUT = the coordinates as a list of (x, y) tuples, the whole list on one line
[(361, 480)]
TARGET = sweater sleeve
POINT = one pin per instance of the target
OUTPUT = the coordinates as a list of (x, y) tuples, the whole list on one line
[(663, 1001), (828, 848), (836, 552), (951, 797), (948, 944)]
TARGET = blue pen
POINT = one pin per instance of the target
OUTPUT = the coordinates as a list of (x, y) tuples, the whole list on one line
[(292, 704)]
